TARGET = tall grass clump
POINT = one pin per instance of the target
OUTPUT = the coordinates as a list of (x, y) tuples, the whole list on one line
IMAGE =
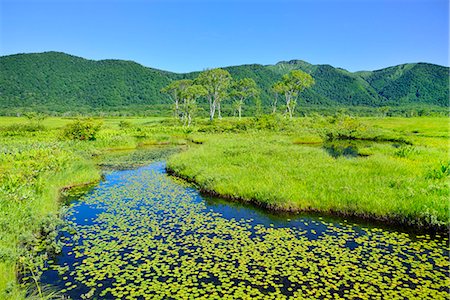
[(440, 172)]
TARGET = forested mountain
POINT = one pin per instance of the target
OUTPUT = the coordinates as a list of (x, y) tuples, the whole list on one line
[(60, 82), (65, 82)]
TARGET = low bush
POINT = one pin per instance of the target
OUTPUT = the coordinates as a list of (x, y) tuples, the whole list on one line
[(125, 124), (83, 130)]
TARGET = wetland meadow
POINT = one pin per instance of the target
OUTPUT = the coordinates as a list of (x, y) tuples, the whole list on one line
[(318, 207)]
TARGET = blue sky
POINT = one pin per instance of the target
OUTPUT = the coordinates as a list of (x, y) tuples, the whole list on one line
[(183, 36)]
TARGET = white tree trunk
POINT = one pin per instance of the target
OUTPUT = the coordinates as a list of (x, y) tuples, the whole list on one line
[(293, 105), (288, 104), (212, 108), (274, 109), (218, 110), (177, 112)]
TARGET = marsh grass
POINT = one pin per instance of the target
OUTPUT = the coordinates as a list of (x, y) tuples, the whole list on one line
[(281, 172), (270, 160), (35, 165)]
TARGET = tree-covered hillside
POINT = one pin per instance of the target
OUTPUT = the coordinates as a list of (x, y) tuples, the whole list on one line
[(65, 82), (60, 82), (411, 84)]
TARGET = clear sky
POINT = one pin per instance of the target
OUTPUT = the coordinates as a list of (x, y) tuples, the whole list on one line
[(183, 36)]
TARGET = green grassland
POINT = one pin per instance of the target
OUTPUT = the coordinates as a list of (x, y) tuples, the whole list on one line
[(36, 163), (401, 172), (400, 175)]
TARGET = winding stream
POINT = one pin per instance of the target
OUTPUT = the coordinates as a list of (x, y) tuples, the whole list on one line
[(141, 234)]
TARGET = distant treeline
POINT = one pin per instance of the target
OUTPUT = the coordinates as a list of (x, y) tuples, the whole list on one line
[(166, 110), (58, 84)]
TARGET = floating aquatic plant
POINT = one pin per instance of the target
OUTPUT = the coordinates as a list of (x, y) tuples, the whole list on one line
[(141, 235)]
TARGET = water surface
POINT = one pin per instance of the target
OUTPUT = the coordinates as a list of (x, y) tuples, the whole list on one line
[(141, 234)]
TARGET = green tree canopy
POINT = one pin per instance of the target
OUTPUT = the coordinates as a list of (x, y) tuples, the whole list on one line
[(189, 96), (216, 82), (174, 90), (241, 90), (293, 83)]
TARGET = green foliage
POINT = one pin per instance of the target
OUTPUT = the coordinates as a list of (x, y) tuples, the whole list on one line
[(442, 171), (82, 130), (189, 96), (59, 83), (125, 124), (175, 90), (342, 126), (35, 116), (34, 166), (216, 83), (242, 90), (21, 129), (411, 83), (293, 83), (62, 83)]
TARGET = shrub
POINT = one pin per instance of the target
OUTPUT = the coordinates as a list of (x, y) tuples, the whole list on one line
[(343, 127), (125, 124), (83, 130)]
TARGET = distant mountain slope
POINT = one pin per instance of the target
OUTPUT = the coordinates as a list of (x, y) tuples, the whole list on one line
[(411, 84), (58, 81)]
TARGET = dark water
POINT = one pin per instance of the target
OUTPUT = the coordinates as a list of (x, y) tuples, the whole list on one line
[(141, 234), (349, 149)]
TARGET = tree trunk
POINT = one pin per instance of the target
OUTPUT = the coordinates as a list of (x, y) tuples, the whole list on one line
[(189, 119), (290, 114), (288, 105), (274, 109), (185, 115), (293, 107), (212, 108), (177, 111), (239, 110), (218, 110)]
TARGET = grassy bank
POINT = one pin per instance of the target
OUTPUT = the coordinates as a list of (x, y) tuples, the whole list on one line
[(400, 171), (36, 162), (402, 176)]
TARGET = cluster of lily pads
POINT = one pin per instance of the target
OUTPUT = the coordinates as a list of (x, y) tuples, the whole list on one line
[(142, 235)]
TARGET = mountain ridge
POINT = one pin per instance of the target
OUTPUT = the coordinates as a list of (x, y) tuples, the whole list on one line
[(60, 81)]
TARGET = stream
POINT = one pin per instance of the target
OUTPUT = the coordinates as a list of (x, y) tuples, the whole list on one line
[(142, 234)]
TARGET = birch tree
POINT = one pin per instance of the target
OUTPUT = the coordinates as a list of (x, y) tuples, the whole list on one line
[(291, 86), (242, 90), (174, 90), (277, 89), (216, 83), (189, 96)]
